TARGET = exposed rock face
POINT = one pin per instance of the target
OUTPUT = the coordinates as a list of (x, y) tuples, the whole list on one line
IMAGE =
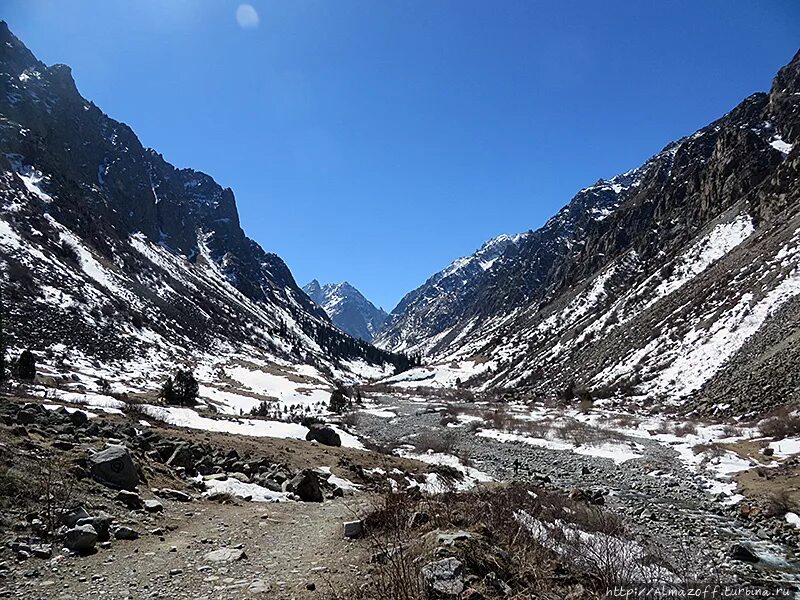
[(676, 279), (129, 243), (114, 467), (349, 310)]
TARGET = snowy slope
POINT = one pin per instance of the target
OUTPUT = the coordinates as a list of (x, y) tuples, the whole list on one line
[(677, 280), (117, 265)]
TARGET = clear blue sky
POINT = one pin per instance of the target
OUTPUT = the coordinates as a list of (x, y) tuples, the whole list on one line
[(375, 140)]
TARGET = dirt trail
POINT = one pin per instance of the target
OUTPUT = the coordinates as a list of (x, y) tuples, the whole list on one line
[(288, 547)]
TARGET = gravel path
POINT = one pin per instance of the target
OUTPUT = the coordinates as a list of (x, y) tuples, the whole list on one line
[(288, 548)]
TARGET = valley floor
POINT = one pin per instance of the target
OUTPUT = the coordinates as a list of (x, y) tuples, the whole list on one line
[(678, 491)]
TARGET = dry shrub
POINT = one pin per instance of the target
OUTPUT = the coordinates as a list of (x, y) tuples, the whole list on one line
[(780, 426), (433, 441), (505, 543), (351, 419)]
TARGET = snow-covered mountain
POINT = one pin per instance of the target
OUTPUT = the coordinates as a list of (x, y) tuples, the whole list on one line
[(112, 257), (349, 310), (679, 279), (418, 321)]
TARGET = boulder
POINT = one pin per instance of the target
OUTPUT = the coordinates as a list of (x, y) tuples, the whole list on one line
[(114, 467), (130, 499), (353, 529), (81, 539), (744, 553), (324, 435), (226, 555), (305, 485), (443, 578)]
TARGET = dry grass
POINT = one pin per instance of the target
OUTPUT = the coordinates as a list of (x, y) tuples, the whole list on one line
[(502, 544)]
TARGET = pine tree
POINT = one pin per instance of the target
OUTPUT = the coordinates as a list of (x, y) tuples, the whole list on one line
[(181, 389), (338, 401), (26, 366)]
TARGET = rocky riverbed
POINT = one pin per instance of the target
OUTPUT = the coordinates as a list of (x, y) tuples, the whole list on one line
[(661, 497)]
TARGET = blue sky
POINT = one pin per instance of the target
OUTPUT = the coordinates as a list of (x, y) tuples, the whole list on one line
[(376, 141)]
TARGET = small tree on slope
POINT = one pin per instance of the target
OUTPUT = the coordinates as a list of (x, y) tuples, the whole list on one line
[(181, 390)]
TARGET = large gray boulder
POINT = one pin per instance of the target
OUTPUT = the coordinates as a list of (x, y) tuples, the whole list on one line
[(305, 485), (114, 467), (81, 539), (324, 435), (443, 578)]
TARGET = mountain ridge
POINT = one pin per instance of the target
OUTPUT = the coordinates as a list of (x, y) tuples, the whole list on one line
[(543, 317), (94, 222)]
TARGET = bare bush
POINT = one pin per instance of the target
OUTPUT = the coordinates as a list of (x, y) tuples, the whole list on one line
[(433, 441)]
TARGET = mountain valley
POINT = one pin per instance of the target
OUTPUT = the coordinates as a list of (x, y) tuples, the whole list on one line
[(606, 405)]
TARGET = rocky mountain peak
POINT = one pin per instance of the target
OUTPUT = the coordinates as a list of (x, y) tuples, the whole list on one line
[(347, 307)]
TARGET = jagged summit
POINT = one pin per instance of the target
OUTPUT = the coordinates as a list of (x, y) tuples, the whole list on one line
[(347, 307)]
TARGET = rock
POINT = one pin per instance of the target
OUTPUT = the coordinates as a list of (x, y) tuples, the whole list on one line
[(81, 539), (101, 523), (305, 485), (173, 572), (443, 577), (173, 495), (72, 517), (240, 477), (125, 533), (226, 555), (114, 467), (311, 586), (130, 499), (768, 451), (743, 552), (78, 418), (353, 529), (42, 550), (324, 435), (153, 506)]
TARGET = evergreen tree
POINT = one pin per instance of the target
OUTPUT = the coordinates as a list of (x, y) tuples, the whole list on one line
[(26, 366), (338, 401), (181, 389)]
